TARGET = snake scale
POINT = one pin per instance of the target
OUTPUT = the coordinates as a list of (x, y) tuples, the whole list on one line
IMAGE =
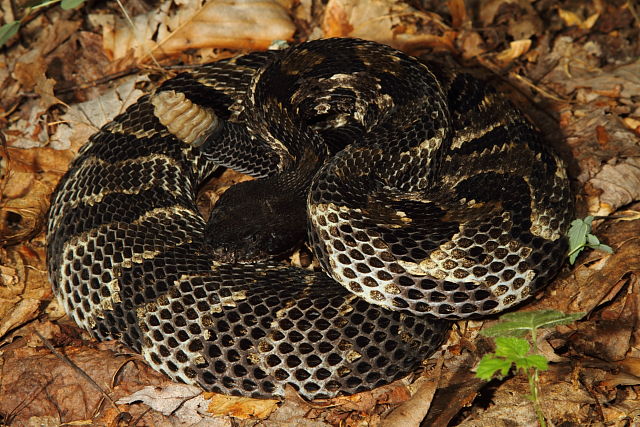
[(425, 195)]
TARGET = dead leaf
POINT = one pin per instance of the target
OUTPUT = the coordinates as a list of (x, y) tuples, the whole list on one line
[(120, 39), (489, 10), (90, 63), (572, 19), (184, 403), (84, 119), (563, 401), (44, 88), (29, 69), (335, 21), (234, 24), (471, 44), (391, 22), (413, 411), (31, 177), (516, 49), (41, 385), (24, 286), (450, 399), (619, 184), (621, 82), (525, 27), (24, 311), (631, 365), (240, 407), (632, 124), (294, 411), (31, 131), (459, 16), (598, 277), (608, 335)]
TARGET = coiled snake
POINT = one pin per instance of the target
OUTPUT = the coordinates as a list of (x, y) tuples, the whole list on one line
[(426, 195)]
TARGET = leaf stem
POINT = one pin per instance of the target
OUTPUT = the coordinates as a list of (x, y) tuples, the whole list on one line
[(532, 377), (41, 5), (577, 249)]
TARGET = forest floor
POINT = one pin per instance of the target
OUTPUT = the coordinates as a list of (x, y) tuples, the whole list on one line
[(572, 66)]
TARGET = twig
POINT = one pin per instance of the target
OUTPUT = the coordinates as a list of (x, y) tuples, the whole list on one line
[(539, 89), (11, 415), (101, 80), (76, 369), (133, 27), (633, 11)]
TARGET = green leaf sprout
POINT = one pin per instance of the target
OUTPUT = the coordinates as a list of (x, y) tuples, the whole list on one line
[(580, 237), (512, 350)]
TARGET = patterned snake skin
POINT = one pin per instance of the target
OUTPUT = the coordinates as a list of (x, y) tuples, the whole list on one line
[(426, 195)]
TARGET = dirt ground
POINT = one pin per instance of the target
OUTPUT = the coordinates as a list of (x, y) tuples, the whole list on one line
[(572, 66)]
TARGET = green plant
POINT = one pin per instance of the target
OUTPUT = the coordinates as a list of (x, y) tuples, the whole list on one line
[(580, 237), (512, 350), (10, 28)]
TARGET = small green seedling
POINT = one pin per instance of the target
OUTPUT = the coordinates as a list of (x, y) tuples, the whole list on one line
[(580, 237), (513, 350), (9, 29)]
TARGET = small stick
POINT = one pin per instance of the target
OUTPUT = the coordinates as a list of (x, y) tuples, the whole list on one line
[(76, 368)]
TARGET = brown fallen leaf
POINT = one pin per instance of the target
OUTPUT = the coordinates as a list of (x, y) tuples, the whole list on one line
[(335, 22), (571, 18), (563, 401), (240, 407), (608, 335), (30, 178), (185, 403), (619, 185), (41, 385), (29, 69), (633, 124), (413, 411), (489, 9), (598, 277), (451, 399), (516, 49), (233, 24), (84, 119), (44, 88), (24, 286), (471, 44), (387, 21), (459, 16), (631, 365), (26, 309)]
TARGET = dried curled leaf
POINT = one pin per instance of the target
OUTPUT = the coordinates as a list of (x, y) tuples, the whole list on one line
[(240, 407), (387, 21), (572, 19), (26, 186), (516, 49), (234, 24), (619, 185)]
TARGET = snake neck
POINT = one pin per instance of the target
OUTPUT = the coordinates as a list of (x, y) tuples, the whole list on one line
[(296, 177)]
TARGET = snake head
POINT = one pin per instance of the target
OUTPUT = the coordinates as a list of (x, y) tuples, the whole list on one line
[(255, 221)]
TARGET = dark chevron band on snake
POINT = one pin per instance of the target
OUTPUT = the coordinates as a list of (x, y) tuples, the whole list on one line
[(424, 193)]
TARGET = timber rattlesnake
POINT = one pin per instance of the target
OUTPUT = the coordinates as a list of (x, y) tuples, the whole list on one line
[(427, 194)]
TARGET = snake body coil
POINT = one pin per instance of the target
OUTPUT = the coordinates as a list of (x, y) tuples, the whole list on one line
[(427, 195)]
